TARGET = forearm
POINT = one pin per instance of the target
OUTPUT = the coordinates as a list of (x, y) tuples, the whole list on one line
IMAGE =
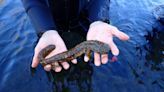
[(40, 15)]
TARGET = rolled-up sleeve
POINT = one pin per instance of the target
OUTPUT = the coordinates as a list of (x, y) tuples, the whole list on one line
[(39, 14)]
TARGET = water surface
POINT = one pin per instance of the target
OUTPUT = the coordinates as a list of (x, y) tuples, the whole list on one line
[(140, 66)]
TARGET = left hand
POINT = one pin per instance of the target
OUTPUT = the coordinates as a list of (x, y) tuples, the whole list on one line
[(104, 32)]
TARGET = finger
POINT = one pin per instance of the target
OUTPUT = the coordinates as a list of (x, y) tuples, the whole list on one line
[(119, 34), (104, 58), (35, 60), (38, 48), (113, 48), (86, 58), (47, 67), (97, 59), (74, 61), (65, 65), (56, 67)]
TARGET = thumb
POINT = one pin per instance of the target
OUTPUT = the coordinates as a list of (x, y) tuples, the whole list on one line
[(40, 45), (35, 60), (117, 33)]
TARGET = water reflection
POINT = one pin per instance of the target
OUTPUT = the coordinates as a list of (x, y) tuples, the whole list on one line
[(77, 79)]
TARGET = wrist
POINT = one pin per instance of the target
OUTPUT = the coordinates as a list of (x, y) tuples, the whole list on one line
[(50, 32), (96, 23), (40, 34)]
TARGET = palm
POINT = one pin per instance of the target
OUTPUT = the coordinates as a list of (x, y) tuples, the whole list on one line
[(104, 32)]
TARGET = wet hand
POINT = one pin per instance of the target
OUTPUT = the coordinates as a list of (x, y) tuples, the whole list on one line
[(51, 38), (104, 32)]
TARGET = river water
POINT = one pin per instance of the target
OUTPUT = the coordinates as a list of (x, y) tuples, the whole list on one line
[(140, 65)]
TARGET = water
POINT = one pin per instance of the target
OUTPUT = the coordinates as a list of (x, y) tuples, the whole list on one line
[(140, 65)]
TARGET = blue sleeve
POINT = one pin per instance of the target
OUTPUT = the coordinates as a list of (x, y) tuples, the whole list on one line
[(98, 10), (40, 15)]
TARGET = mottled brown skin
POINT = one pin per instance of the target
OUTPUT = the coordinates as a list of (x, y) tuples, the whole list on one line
[(85, 47)]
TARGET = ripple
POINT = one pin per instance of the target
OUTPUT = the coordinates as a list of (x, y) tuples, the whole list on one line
[(132, 72)]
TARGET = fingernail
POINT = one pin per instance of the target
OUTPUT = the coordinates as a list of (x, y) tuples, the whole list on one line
[(97, 64), (47, 67), (66, 66), (115, 53), (104, 61), (58, 69), (86, 59), (32, 65), (74, 61)]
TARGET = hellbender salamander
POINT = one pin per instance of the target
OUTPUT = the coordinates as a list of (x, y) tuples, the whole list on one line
[(83, 48)]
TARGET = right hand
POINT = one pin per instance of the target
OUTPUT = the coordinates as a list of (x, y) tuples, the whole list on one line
[(49, 38)]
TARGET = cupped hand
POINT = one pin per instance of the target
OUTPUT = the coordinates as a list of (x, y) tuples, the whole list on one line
[(104, 32), (51, 37)]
